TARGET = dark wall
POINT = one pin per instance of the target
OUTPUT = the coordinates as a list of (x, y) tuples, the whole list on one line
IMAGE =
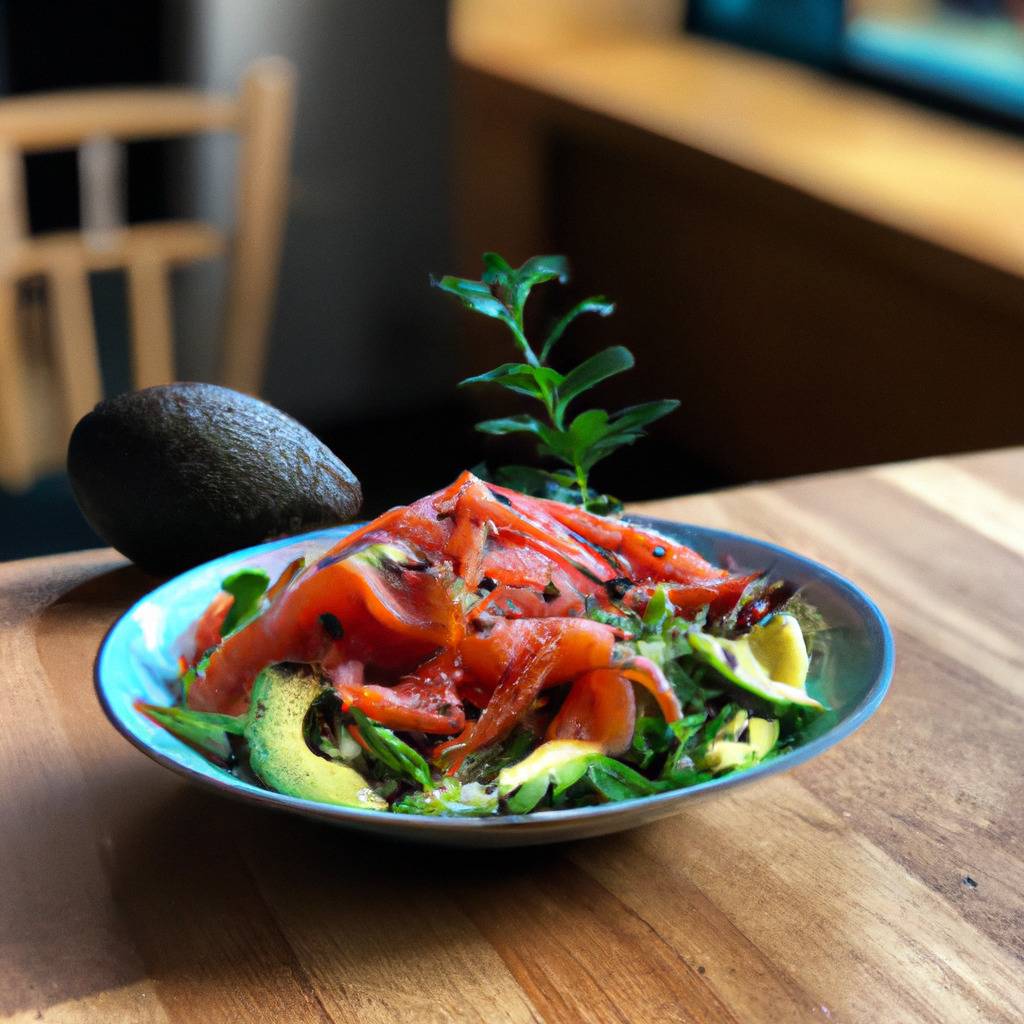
[(798, 337), (357, 330)]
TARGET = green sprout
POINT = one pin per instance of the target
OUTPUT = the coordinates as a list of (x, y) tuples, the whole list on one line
[(578, 442)]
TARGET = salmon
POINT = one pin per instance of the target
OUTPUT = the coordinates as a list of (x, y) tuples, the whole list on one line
[(487, 606)]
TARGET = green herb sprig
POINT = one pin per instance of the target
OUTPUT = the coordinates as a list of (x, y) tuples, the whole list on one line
[(578, 442)]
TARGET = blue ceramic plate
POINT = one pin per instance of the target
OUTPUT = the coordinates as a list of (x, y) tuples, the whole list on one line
[(851, 665)]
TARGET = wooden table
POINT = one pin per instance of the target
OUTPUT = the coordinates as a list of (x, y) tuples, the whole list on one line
[(882, 882)]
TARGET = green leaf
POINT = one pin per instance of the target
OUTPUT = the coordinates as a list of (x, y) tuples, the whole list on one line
[(247, 586), (592, 371), (588, 428), (651, 737), (635, 417), (497, 270), (520, 377), (534, 271), (538, 269), (474, 295), (603, 448), (658, 610), (595, 304), (522, 424), (616, 781), (204, 730), (539, 483), (623, 430), (395, 753), (544, 268), (603, 504)]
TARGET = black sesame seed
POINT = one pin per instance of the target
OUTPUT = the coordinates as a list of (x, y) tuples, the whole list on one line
[(332, 626)]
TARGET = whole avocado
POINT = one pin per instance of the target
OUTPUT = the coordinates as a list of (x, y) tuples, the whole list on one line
[(178, 474)]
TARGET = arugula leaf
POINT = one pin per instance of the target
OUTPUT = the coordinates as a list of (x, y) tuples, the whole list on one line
[(206, 731), (651, 738), (247, 586), (616, 781), (385, 746), (592, 435)]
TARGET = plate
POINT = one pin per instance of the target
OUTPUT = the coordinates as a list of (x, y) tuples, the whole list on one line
[(850, 673)]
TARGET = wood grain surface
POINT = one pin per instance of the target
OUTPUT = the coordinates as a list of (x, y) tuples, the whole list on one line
[(934, 176), (882, 882)]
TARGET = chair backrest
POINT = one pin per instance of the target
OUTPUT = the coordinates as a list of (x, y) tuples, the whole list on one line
[(97, 124)]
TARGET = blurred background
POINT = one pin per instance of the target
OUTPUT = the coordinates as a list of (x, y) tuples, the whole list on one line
[(810, 214)]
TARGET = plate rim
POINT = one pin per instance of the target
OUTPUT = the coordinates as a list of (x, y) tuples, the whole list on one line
[(414, 823)]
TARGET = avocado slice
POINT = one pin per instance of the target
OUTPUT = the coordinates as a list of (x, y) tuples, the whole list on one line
[(762, 735), (213, 470), (279, 754), (724, 754), (727, 751), (754, 662), (778, 645), (557, 762)]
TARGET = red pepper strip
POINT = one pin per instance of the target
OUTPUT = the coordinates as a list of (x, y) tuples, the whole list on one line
[(208, 627), (558, 546), (414, 706), (687, 598), (444, 501), (600, 708), (522, 566), (465, 547), (521, 603), (392, 621), (519, 657), (649, 676), (636, 546), (353, 540), (582, 645), (523, 679), (426, 701), (472, 692)]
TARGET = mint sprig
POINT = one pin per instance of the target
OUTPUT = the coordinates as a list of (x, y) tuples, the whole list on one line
[(579, 441)]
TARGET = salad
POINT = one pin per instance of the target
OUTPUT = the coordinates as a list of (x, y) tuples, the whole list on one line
[(482, 652)]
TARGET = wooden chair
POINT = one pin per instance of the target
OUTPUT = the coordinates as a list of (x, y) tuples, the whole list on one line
[(97, 124)]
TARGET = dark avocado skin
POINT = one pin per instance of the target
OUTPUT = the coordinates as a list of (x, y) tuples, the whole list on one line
[(178, 474)]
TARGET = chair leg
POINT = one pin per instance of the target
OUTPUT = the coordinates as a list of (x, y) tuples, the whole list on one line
[(16, 449), (74, 339), (149, 304)]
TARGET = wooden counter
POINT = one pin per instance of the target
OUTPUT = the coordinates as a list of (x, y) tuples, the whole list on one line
[(932, 176), (883, 881)]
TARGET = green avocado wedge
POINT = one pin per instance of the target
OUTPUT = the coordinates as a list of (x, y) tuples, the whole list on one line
[(279, 754), (749, 662)]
